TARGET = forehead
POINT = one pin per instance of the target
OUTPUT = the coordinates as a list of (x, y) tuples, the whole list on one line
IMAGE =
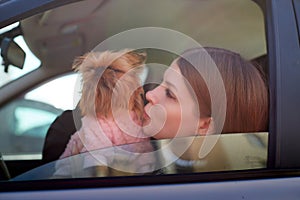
[(173, 72), (174, 78)]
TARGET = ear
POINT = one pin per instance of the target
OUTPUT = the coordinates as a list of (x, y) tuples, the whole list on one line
[(140, 56), (206, 126)]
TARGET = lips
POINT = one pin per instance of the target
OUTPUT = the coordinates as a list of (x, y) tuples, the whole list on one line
[(146, 118)]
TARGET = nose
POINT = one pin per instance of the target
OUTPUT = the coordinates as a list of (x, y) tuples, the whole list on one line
[(151, 97)]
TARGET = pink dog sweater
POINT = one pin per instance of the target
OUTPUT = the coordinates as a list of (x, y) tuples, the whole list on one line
[(100, 133)]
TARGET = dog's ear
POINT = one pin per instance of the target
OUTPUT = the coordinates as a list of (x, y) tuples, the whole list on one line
[(142, 56), (87, 63), (139, 57), (78, 62)]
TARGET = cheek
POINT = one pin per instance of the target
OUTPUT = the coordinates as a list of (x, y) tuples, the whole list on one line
[(173, 118), (181, 121), (172, 122)]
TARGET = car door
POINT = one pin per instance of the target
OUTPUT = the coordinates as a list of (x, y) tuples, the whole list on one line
[(276, 47)]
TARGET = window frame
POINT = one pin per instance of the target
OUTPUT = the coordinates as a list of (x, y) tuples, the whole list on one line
[(283, 54)]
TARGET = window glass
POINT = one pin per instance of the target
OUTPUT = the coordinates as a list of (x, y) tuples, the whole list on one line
[(160, 157), (62, 93), (25, 120), (58, 36), (40, 124)]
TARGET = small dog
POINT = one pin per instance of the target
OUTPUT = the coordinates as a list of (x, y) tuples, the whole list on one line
[(113, 109), (111, 102)]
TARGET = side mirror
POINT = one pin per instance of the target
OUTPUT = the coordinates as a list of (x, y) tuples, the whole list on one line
[(12, 53)]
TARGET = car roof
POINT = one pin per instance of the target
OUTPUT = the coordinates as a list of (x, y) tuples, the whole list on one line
[(54, 32)]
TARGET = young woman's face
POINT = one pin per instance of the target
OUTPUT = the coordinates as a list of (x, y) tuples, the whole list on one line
[(171, 111)]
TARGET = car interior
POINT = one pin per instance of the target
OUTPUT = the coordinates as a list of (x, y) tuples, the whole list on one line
[(56, 36)]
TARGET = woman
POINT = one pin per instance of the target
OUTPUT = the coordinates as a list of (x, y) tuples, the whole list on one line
[(182, 105)]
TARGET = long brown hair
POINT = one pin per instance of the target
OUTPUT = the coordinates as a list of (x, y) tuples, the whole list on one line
[(245, 87)]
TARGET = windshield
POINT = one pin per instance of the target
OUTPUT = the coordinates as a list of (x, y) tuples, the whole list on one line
[(31, 61)]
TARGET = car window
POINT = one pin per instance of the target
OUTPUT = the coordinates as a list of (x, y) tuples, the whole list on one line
[(62, 93), (27, 118), (58, 36), (40, 125)]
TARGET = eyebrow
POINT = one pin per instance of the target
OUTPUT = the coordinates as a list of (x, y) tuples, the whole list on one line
[(171, 85)]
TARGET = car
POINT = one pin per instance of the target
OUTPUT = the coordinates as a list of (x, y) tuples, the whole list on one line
[(40, 40)]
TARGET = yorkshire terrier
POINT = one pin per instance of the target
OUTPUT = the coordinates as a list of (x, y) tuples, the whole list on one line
[(111, 102)]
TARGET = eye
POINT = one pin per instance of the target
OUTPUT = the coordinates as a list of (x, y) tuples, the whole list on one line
[(169, 94)]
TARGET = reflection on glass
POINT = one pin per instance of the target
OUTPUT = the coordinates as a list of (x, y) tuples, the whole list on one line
[(172, 156)]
